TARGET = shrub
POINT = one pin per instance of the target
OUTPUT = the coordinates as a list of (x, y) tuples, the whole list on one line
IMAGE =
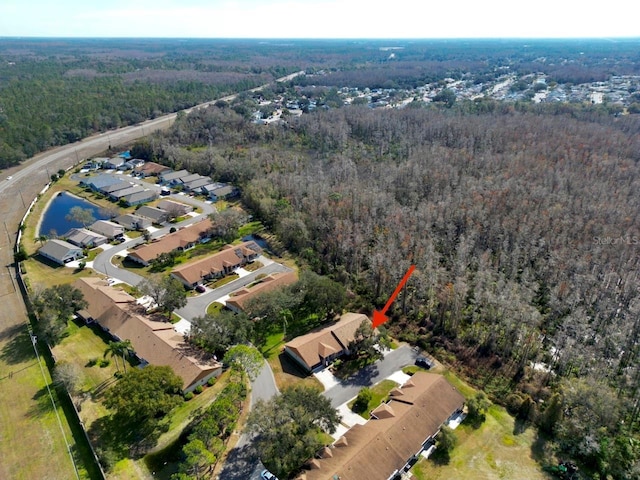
[(103, 363), (92, 362), (211, 382), (199, 389), (188, 396), (362, 400)]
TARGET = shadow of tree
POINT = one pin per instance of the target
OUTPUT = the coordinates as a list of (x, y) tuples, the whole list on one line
[(240, 463), (520, 426), (116, 439), (19, 348), (42, 403)]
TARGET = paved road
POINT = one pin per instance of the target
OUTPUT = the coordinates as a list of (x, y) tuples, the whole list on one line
[(197, 306), (392, 362)]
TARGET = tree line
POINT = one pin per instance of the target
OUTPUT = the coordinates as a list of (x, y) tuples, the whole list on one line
[(521, 223)]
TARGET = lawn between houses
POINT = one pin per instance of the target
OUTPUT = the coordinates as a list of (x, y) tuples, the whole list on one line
[(497, 450), (85, 346)]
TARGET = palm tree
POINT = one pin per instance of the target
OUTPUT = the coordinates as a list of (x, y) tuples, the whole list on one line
[(119, 349), (127, 348), (113, 350)]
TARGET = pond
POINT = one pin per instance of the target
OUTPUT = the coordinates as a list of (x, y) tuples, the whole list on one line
[(53, 219)]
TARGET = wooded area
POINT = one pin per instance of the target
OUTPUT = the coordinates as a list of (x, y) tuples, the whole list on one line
[(522, 223)]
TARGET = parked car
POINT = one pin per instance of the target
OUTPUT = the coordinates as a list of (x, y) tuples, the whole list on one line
[(200, 289), (424, 362), (267, 475)]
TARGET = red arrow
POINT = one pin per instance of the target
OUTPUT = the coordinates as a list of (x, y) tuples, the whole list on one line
[(379, 317)]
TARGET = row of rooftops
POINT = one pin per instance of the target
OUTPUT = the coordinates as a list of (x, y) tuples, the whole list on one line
[(156, 342), (396, 432)]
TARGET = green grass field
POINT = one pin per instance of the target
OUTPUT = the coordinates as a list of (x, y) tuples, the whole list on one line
[(379, 393), (495, 451)]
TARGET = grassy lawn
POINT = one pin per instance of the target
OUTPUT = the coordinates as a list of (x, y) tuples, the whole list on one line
[(250, 228), (253, 266), (379, 393), (214, 308), (494, 451), (223, 281), (26, 413), (285, 371), (44, 273)]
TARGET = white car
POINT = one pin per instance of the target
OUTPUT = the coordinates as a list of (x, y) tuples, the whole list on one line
[(267, 475), (9, 177)]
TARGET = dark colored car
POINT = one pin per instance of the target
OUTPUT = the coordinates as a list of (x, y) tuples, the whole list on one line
[(200, 289), (424, 362)]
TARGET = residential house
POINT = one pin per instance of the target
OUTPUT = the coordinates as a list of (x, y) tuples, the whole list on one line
[(154, 342), (61, 252), (84, 238), (176, 208), (388, 444), (207, 189), (239, 299), (181, 240), (158, 215), (113, 163), (222, 193), (138, 198), (317, 349), (131, 221), (150, 169), (98, 182), (117, 195), (114, 187), (109, 229), (197, 184), (218, 265), (172, 177), (188, 178)]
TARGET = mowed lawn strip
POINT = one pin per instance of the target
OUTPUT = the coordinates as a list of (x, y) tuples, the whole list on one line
[(379, 392), (491, 452), (26, 413)]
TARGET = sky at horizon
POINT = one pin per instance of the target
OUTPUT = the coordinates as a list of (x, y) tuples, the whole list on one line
[(317, 19)]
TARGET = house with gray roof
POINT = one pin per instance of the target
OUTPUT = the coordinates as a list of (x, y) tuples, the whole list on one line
[(222, 193), (60, 252), (158, 215), (98, 182), (115, 187), (107, 228), (138, 198), (131, 221), (170, 177), (197, 184), (117, 195), (84, 238)]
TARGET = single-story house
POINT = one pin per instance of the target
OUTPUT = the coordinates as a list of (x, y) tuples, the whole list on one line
[(154, 342), (107, 228), (131, 221), (315, 350), (98, 182), (158, 215), (150, 169), (223, 193), (115, 187), (197, 184), (84, 238), (217, 265), (125, 192), (61, 252), (176, 208), (240, 298), (169, 177), (207, 189), (188, 178), (113, 163), (182, 239), (388, 444), (138, 198)]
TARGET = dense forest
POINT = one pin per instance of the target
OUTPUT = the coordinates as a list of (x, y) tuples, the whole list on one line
[(56, 91), (521, 221)]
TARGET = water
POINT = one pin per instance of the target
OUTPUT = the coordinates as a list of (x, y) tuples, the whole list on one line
[(53, 220)]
